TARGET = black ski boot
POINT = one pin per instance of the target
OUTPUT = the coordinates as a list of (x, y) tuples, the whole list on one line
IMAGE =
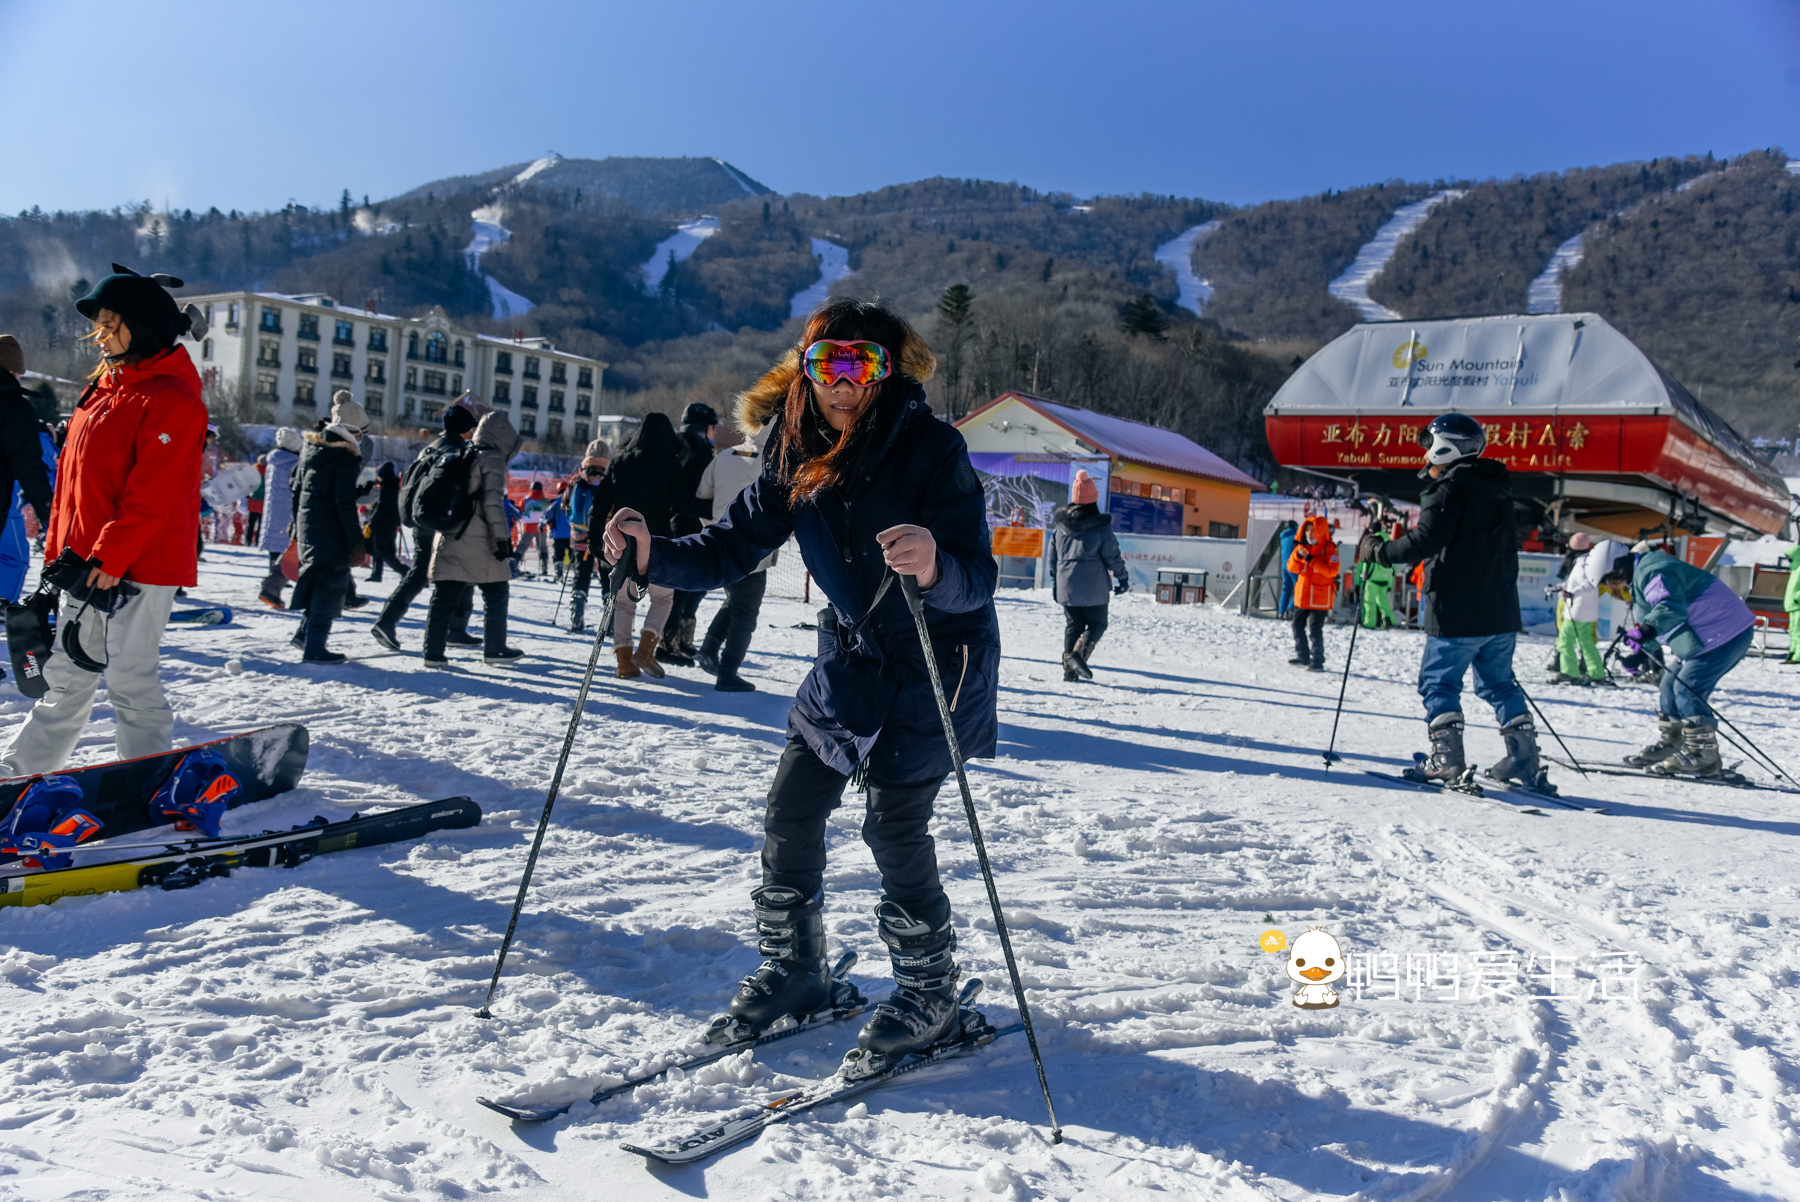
[(577, 612), (794, 978), (922, 1011), (1698, 754), (1668, 742), (1084, 647), (1446, 765), (1522, 764)]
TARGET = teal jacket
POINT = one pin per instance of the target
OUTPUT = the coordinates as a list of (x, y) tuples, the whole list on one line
[(1692, 611)]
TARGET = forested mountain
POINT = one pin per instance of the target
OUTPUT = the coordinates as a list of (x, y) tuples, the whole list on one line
[(1016, 288)]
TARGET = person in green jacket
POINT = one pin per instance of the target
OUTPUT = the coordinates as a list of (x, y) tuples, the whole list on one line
[(1791, 603), (1376, 581)]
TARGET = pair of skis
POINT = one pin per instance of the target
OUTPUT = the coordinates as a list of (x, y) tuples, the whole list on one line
[(857, 1075), (1728, 777), (1469, 786)]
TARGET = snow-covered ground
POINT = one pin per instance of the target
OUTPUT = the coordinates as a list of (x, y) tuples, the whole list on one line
[(834, 265), (1353, 286), (1178, 256), (685, 241), (489, 233), (309, 1033), (1544, 294)]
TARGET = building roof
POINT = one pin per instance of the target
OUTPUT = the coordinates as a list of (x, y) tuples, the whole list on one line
[(1123, 438)]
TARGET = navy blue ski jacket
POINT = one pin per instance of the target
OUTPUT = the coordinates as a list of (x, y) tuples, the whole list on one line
[(914, 471)]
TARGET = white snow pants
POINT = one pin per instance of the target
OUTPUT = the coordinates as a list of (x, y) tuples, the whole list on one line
[(145, 725)]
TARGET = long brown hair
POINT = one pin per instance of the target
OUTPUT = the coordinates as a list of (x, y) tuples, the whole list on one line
[(813, 456)]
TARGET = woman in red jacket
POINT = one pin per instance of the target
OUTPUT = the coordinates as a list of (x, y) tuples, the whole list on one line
[(128, 503)]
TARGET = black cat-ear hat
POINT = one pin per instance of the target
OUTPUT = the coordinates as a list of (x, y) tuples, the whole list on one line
[(142, 300)]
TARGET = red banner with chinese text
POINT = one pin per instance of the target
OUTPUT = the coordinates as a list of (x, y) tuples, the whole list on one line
[(1540, 443)]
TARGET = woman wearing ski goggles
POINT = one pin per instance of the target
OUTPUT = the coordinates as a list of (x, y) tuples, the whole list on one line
[(870, 485)]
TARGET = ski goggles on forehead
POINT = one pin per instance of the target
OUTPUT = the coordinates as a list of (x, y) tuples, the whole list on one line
[(861, 363)]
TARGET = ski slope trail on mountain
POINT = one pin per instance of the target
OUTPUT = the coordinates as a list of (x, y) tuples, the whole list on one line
[(1352, 287), (1177, 255), (1572, 1006)]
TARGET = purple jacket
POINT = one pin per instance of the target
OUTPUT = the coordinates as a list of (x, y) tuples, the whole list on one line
[(1693, 611)]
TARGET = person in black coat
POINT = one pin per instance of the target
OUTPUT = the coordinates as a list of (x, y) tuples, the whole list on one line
[(1468, 541), (384, 524), (647, 479), (697, 423), (327, 528), (21, 451), (869, 483)]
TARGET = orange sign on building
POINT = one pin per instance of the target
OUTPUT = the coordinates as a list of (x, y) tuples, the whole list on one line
[(1018, 542)]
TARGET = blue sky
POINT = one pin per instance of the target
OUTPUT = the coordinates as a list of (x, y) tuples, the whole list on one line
[(252, 105)]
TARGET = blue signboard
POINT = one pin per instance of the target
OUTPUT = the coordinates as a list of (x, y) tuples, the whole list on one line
[(1141, 515)]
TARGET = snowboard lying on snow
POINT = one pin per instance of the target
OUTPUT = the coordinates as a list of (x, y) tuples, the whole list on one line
[(265, 762), (180, 865)]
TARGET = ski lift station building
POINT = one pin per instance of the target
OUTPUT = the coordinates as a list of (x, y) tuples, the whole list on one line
[(1595, 433)]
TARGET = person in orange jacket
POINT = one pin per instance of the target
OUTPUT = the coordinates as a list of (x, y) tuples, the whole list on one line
[(1315, 564)]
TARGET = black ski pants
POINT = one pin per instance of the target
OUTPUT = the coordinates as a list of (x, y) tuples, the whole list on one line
[(384, 550), (413, 582), (735, 623), (320, 591), (1310, 621), (453, 598), (1083, 619), (897, 829)]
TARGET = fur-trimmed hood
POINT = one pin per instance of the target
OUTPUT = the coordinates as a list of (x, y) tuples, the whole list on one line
[(758, 404)]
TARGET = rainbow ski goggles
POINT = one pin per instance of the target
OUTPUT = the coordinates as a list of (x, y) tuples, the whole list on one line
[(861, 363)]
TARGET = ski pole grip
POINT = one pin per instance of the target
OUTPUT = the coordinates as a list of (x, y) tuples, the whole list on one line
[(626, 568), (915, 601)]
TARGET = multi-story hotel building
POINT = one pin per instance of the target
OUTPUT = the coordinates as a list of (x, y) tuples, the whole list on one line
[(290, 353)]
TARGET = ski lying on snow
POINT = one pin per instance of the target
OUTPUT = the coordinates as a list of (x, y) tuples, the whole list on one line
[(716, 1137), (1473, 792), (179, 868), (1727, 778), (847, 1002)]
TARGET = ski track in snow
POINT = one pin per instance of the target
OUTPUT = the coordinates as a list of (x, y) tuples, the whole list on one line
[(834, 265), (1178, 256), (1544, 295), (489, 233), (308, 1033), (1353, 286), (685, 241)]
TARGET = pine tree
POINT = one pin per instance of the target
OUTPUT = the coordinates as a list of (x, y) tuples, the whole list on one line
[(1143, 316), (955, 322)]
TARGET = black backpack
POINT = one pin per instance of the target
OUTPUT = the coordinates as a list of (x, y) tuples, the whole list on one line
[(435, 494)]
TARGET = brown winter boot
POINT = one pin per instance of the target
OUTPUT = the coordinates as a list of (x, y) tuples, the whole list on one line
[(646, 654), (627, 669)]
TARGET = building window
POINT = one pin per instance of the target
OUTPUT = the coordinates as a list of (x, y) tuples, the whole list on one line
[(271, 320), (231, 316), (372, 401), (503, 392), (459, 353), (437, 347), (377, 371), (528, 396), (553, 427), (503, 363), (430, 412), (584, 404), (412, 345), (345, 334), (584, 378), (309, 327), (268, 354), (559, 372), (528, 424), (1221, 530), (206, 349), (378, 342), (265, 387), (303, 393), (581, 432), (340, 366), (456, 383), (531, 367), (434, 382), (306, 358), (556, 400), (412, 377)]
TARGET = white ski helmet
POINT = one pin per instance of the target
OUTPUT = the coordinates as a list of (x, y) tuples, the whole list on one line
[(1452, 437)]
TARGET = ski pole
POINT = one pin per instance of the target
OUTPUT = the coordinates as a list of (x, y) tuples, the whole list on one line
[(557, 608), (1331, 755), (1767, 761), (909, 585), (1575, 763), (627, 563)]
